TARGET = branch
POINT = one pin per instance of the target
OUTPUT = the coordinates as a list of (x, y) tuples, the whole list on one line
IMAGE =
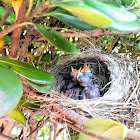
[(17, 32), (9, 29), (54, 130), (4, 137), (59, 132), (89, 34), (133, 134), (39, 126), (6, 16)]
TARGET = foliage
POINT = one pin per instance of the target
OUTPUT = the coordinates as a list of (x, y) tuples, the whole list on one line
[(105, 128), (47, 31)]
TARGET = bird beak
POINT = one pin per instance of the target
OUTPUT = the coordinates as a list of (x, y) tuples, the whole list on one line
[(73, 70), (85, 68), (76, 72)]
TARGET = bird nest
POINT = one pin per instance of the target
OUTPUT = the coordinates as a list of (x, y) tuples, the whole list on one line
[(118, 78)]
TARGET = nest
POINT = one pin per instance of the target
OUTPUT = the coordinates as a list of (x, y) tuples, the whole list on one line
[(118, 78)]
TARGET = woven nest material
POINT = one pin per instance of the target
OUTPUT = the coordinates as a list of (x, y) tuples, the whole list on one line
[(118, 78)]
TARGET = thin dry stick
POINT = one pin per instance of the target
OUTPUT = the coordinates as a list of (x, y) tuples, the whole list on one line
[(59, 132), (40, 125), (132, 134), (54, 130), (133, 48), (45, 47), (112, 45), (4, 137)]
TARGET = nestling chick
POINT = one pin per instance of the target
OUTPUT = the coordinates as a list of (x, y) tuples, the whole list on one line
[(81, 85)]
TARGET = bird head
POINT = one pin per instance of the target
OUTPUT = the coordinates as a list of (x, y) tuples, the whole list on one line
[(86, 70), (75, 74)]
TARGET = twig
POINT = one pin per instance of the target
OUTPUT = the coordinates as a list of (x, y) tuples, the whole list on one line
[(9, 29), (59, 132), (55, 130), (112, 45), (39, 126), (45, 47), (24, 48), (6, 16), (132, 134), (133, 48), (4, 137)]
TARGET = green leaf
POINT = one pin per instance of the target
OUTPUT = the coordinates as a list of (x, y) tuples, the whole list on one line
[(29, 103), (45, 58), (125, 27), (74, 135), (6, 38), (128, 2), (10, 20), (138, 46), (16, 5), (85, 12), (110, 2), (10, 90), (41, 87), (17, 116), (28, 71), (56, 39), (112, 11), (71, 20), (105, 128)]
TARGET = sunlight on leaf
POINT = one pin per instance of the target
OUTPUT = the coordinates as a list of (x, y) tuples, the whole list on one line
[(29, 8), (16, 5), (17, 116), (11, 18), (2, 42), (85, 12), (112, 11), (106, 128), (10, 90), (29, 103), (125, 27), (71, 20)]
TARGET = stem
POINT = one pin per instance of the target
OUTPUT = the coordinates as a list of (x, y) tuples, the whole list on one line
[(4, 137), (38, 61), (6, 16), (133, 49), (17, 32)]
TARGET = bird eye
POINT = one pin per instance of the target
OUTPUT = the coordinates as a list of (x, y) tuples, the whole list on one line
[(72, 74)]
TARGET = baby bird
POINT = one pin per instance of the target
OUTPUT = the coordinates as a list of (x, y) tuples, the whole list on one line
[(90, 90), (81, 85)]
